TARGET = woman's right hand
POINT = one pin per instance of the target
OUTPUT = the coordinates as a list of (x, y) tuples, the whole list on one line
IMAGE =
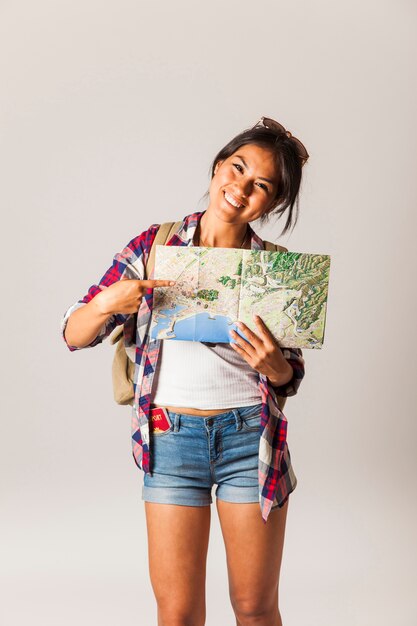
[(125, 295)]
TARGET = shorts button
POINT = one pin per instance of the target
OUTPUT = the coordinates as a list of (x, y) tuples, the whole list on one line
[(210, 422)]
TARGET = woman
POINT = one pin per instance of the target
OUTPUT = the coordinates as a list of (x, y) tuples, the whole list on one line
[(217, 402)]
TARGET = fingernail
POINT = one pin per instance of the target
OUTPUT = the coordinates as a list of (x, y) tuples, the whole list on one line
[(172, 282)]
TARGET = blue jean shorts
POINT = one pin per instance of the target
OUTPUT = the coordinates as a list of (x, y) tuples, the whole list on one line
[(198, 452)]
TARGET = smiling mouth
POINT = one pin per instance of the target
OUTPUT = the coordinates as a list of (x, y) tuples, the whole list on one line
[(230, 200)]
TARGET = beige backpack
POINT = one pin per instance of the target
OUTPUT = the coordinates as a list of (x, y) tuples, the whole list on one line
[(123, 369)]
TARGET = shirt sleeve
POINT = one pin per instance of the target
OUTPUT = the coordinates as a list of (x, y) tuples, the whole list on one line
[(296, 360), (129, 263)]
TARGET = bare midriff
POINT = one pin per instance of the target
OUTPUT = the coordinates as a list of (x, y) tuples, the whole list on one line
[(188, 411)]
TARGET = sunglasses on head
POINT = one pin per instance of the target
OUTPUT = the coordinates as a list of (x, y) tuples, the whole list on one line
[(267, 122)]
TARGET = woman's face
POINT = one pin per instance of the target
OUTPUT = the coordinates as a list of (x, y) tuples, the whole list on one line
[(244, 185)]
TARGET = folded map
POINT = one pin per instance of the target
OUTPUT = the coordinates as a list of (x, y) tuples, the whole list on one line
[(216, 287)]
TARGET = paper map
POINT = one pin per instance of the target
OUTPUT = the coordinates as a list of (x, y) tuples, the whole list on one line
[(216, 287)]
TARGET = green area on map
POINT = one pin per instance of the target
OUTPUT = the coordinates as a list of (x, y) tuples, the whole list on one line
[(216, 287)]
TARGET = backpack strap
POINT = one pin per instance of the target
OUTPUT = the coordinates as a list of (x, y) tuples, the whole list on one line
[(164, 234), (274, 247)]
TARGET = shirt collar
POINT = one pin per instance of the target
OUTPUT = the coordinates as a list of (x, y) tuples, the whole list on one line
[(189, 226)]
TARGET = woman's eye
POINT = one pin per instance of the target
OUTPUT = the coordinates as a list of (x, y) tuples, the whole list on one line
[(239, 167)]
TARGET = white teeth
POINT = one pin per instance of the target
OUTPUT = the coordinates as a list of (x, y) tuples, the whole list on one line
[(232, 201)]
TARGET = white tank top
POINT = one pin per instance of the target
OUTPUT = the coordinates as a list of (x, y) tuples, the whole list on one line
[(192, 374)]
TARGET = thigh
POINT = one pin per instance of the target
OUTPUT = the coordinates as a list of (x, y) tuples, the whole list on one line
[(178, 538), (254, 552)]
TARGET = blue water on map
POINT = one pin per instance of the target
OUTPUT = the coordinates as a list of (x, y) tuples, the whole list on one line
[(200, 327), (203, 327), (165, 322)]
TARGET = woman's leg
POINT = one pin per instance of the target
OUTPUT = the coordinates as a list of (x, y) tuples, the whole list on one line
[(254, 553), (178, 538)]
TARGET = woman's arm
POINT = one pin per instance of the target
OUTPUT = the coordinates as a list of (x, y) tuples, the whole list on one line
[(295, 358), (84, 324), (93, 319)]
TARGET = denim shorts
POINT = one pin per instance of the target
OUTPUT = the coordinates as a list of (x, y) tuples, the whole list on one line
[(197, 452)]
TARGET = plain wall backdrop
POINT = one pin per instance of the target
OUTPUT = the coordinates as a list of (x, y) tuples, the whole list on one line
[(111, 113)]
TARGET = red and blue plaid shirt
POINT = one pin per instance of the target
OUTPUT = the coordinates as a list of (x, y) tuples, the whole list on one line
[(276, 476)]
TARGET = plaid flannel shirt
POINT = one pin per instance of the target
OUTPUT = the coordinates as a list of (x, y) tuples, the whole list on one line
[(275, 473)]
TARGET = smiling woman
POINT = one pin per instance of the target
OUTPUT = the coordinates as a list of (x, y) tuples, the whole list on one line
[(206, 414), (267, 158), (238, 193)]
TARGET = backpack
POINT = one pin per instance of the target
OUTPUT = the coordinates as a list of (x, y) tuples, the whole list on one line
[(123, 368)]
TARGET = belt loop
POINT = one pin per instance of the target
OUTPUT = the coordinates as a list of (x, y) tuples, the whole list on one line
[(237, 418), (176, 422)]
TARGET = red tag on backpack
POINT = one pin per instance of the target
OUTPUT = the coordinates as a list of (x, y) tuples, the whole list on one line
[(159, 420)]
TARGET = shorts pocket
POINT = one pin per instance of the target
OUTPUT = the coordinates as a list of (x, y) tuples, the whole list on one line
[(161, 426), (251, 418), (158, 434)]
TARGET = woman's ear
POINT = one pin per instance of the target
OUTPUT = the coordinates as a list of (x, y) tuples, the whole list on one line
[(216, 167)]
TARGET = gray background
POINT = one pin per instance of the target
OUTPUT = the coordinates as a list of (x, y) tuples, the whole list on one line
[(110, 116)]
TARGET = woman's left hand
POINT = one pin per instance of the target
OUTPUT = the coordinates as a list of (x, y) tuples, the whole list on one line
[(262, 352)]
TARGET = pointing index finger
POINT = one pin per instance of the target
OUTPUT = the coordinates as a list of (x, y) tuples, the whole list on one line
[(150, 284)]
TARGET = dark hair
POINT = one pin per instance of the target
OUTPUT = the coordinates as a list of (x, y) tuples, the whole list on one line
[(288, 164)]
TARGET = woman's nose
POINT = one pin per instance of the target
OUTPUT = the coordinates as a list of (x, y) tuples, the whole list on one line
[(244, 189)]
